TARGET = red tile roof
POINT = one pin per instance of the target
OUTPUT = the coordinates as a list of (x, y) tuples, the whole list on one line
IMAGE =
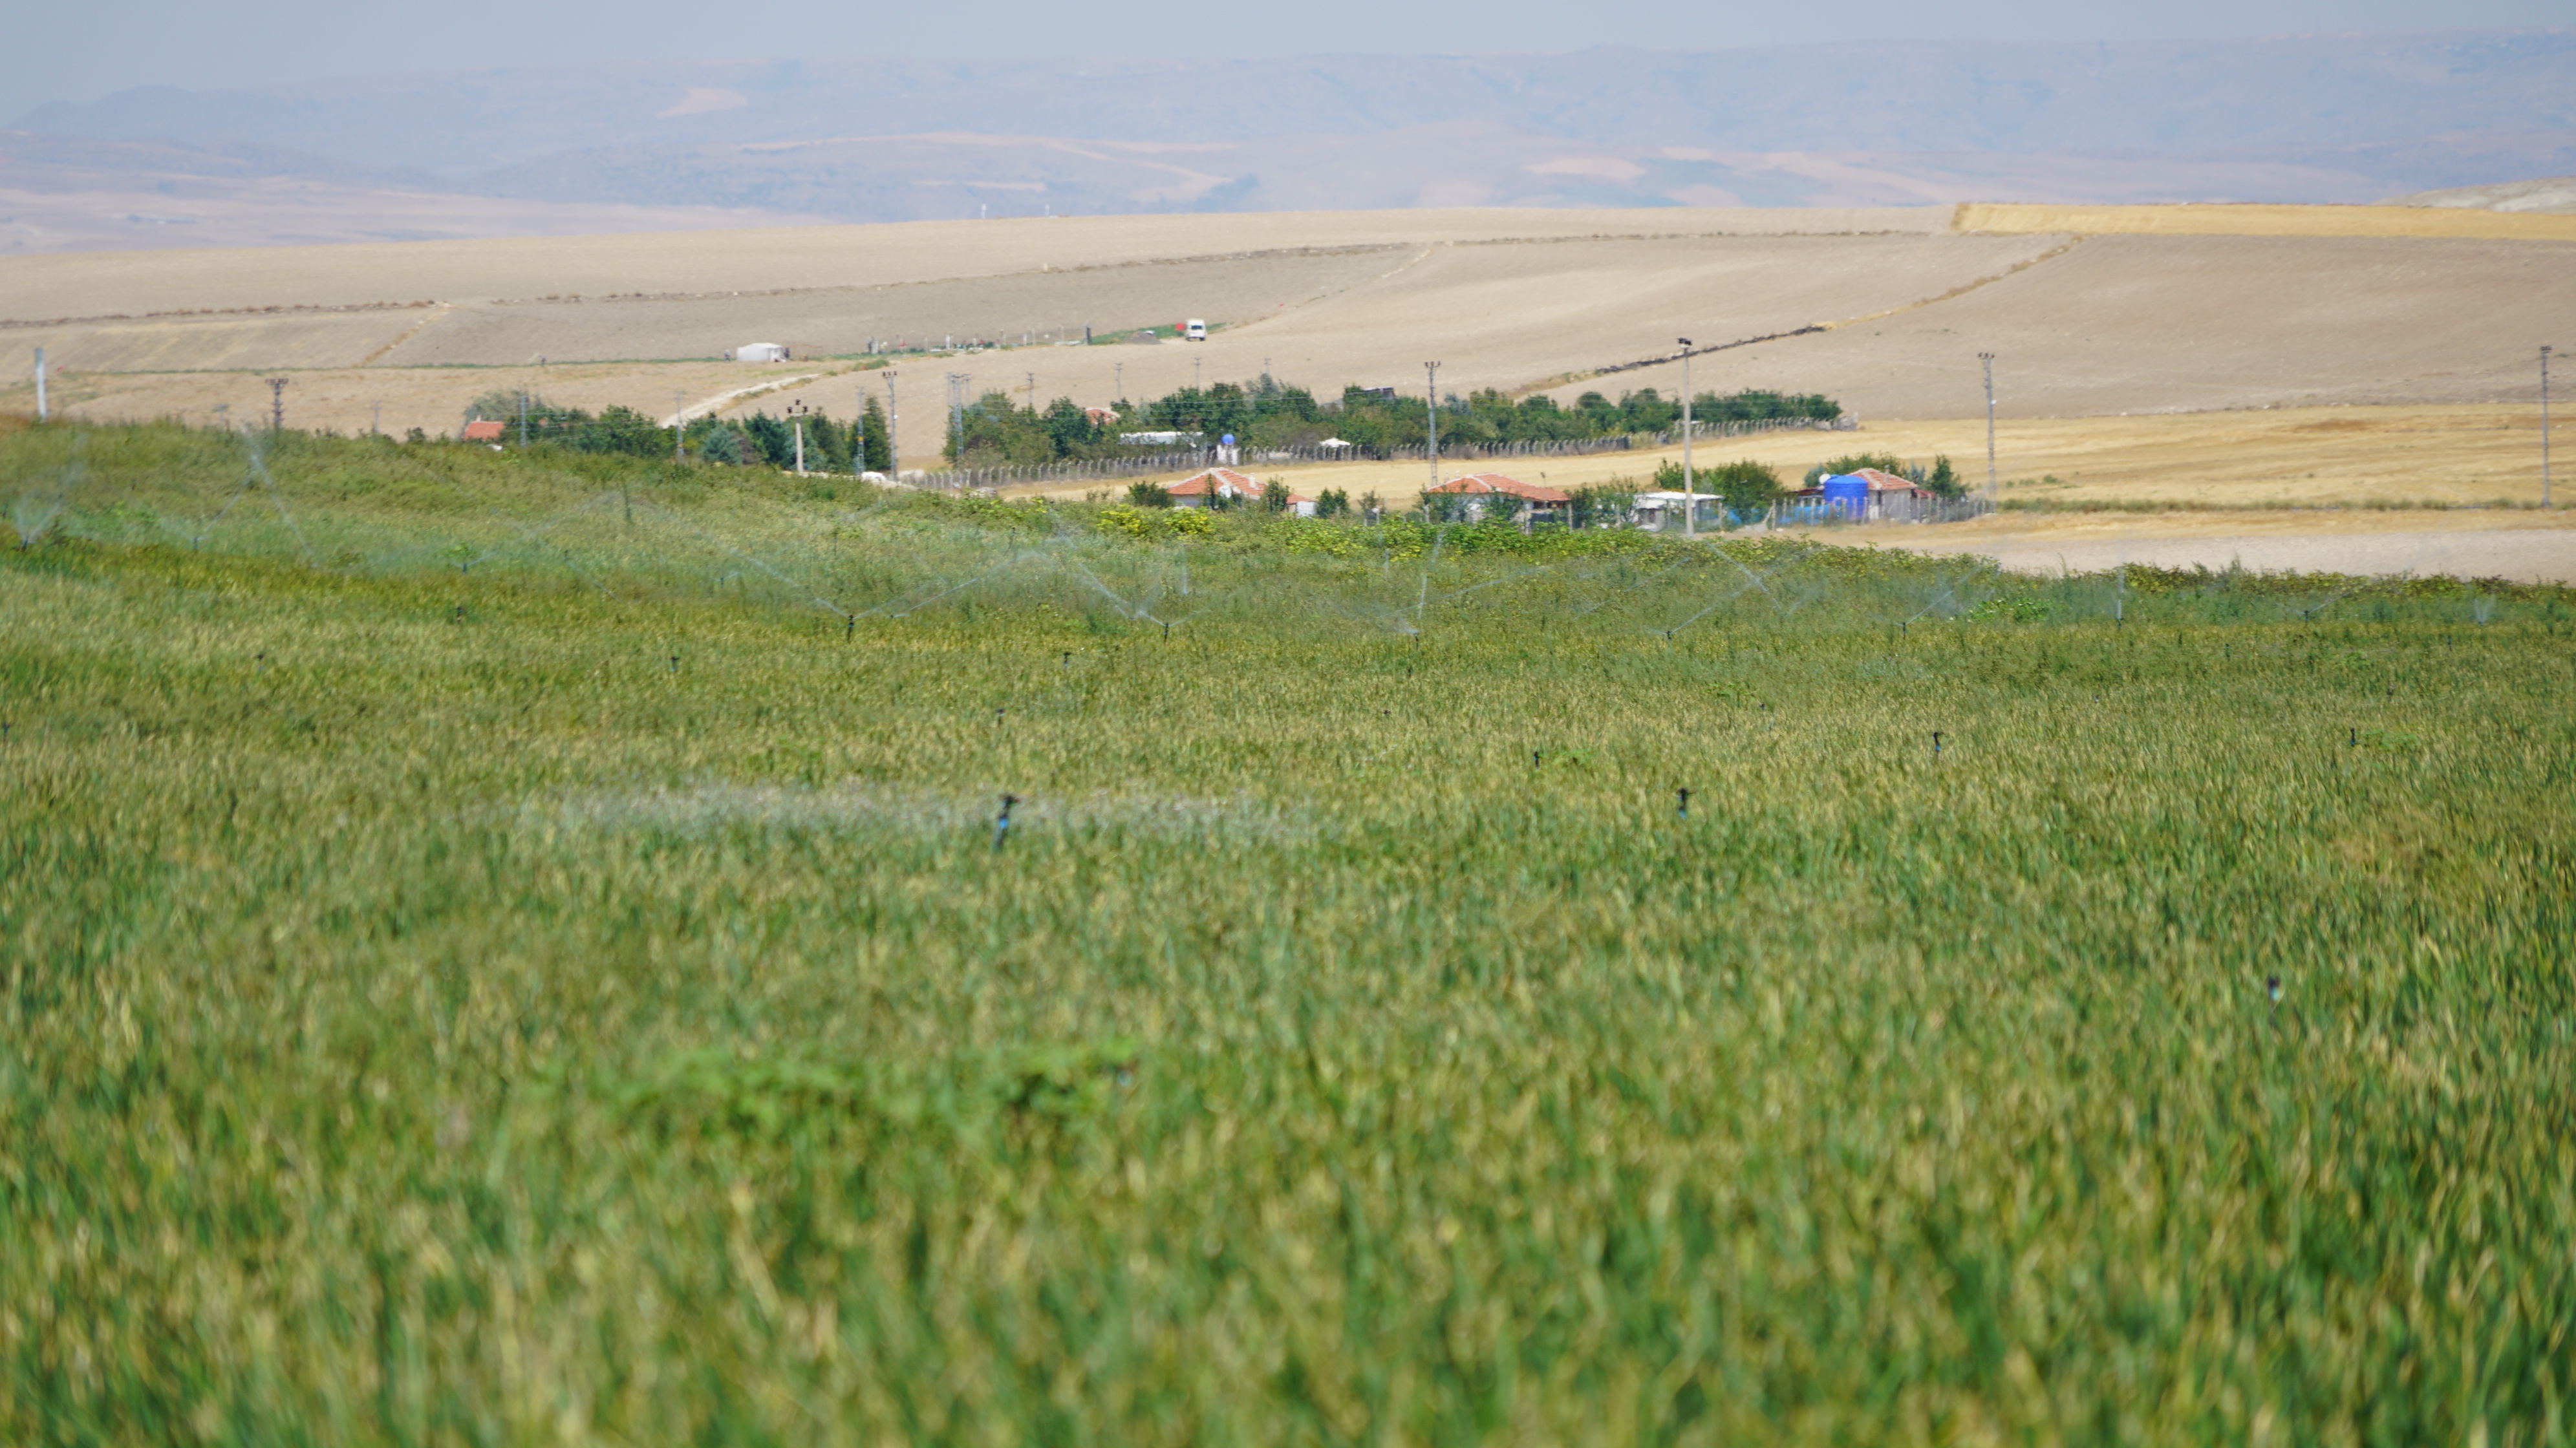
[(1224, 482), (1497, 483), (484, 431)]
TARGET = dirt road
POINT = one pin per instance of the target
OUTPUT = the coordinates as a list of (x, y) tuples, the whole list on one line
[(2521, 546)]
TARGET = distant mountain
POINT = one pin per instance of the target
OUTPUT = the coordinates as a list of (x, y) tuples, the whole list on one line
[(2552, 194), (2301, 118)]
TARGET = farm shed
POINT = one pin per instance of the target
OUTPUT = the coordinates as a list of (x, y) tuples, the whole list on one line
[(760, 352), (1869, 493)]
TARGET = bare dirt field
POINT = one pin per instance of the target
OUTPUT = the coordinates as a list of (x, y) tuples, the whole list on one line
[(2531, 547)]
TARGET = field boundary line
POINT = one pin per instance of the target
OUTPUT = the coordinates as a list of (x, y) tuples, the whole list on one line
[(408, 333), (722, 400), (1963, 289), (1810, 330)]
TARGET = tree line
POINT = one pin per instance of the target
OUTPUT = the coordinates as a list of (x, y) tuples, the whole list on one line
[(1264, 414), (858, 446)]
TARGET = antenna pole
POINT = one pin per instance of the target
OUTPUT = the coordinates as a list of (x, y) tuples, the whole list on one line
[(1988, 358), (1690, 487), (277, 404)]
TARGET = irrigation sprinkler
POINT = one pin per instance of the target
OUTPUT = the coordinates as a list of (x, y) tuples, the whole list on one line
[(1936, 743), (2272, 987), (675, 663), (1682, 810), (1002, 822)]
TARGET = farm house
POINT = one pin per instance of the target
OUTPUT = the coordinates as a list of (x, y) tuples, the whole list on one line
[(1870, 494), (1221, 483), (1476, 486)]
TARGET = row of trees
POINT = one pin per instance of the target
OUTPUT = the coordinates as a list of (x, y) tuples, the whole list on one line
[(860, 446), (1264, 414)]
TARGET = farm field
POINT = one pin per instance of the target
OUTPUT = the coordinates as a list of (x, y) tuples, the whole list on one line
[(519, 946), (1884, 310)]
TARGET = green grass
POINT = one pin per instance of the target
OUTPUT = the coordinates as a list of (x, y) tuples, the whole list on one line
[(467, 987)]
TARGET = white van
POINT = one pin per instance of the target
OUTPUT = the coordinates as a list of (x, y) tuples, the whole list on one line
[(1194, 330)]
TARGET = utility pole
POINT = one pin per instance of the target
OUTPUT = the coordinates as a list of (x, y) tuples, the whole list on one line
[(1988, 358), (1431, 417), (523, 417), (41, 412), (1033, 390), (957, 418), (2544, 427), (1690, 487), (1120, 370), (277, 404), (894, 458), (797, 412), (376, 424), (679, 428)]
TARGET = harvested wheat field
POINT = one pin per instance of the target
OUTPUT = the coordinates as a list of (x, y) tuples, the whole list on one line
[(2200, 356)]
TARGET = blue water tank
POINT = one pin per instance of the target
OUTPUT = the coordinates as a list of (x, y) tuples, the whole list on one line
[(1847, 494)]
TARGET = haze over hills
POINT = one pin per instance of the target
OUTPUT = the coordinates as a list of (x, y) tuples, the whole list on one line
[(2301, 118)]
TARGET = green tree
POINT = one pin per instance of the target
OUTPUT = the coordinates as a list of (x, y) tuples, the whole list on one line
[(1275, 495), (1149, 495), (1069, 429), (876, 443)]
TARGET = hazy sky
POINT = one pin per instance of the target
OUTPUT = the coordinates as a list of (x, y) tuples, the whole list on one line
[(80, 51)]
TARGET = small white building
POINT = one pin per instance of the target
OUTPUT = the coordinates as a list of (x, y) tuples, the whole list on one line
[(759, 352)]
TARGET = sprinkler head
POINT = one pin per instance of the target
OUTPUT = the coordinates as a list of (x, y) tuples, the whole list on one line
[(1684, 811), (675, 663), (2272, 987), (2355, 740)]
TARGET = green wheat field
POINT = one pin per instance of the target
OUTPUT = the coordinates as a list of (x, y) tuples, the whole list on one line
[(518, 948)]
